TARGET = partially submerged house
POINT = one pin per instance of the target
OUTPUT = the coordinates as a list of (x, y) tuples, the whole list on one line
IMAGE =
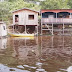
[(25, 21), (3, 30), (56, 21)]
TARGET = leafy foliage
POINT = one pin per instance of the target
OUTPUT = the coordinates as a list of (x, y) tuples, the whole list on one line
[(55, 4), (8, 6)]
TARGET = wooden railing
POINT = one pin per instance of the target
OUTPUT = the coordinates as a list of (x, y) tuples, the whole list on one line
[(56, 20)]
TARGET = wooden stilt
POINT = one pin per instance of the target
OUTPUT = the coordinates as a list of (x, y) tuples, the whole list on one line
[(25, 25), (63, 28), (56, 17), (13, 28), (41, 23), (52, 28), (37, 29), (25, 28), (70, 15)]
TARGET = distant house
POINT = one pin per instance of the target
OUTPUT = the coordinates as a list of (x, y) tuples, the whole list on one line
[(1, 0), (56, 21), (25, 20), (3, 30)]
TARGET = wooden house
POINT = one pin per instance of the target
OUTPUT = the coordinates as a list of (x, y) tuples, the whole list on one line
[(3, 30), (56, 21), (25, 21)]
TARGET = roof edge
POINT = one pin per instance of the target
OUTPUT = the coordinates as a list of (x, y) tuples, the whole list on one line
[(25, 8)]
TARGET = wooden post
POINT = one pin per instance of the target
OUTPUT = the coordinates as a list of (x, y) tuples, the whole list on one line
[(25, 28), (56, 17), (37, 29), (70, 15), (25, 24), (63, 28), (41, 23), (52, 28), (13, 28)]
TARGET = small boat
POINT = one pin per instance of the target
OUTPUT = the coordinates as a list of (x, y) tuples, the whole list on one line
[(20, 35), (16, 38), (13, 32)]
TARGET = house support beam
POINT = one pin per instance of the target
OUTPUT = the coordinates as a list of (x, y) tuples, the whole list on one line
[(13, 28), (52, 28), (70, 15), (25, 29), (63, 28), (41, 28), (37, 29), (56, 17), (41, 23)]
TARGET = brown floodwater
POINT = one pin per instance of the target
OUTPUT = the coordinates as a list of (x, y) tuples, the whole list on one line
[(36, 54)]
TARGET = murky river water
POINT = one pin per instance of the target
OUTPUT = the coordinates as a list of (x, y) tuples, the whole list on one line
[(36, 54)]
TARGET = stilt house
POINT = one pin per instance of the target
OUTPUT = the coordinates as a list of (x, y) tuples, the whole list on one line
[(57, 21), (25, 21)]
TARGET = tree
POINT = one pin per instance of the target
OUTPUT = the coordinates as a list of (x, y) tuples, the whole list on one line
[(70, 3), (54, 4), (8, 6)]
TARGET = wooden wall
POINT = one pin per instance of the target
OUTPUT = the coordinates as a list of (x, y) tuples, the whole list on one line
[(23, 17)]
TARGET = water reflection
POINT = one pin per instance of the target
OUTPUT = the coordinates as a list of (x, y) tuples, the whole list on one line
[(37, 54), (3, 43), (25, 48), (57, 52), (4, 68), (3, 46)]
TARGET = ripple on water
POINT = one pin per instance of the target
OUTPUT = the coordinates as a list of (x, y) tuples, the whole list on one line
[(4, 68), (69, 69), (17, 70), (38, 63), (33, 67), (58, 71), (20, 66), (26, 66), (40, 70)]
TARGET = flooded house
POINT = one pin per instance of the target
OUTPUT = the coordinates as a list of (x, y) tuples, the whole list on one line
[(56, 21), (25, 21), (3, 30)]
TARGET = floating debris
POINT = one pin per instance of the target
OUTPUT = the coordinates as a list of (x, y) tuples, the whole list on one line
[(33, 67)]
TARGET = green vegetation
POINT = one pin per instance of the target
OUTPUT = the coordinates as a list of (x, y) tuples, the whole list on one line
[(8, 6), (55, 4)]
